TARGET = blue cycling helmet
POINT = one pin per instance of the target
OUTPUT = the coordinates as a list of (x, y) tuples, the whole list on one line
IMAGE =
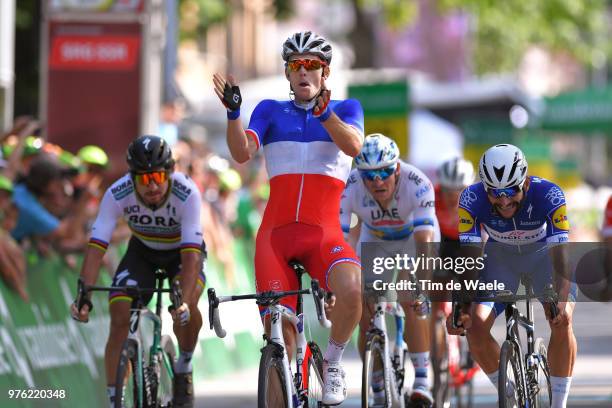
[(378, 152)]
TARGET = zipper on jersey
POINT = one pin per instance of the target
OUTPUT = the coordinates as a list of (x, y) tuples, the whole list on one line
[(302, 159), (299, 200)]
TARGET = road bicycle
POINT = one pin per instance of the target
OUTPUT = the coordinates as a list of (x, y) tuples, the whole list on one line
[(524, 379), (277, 385), (453, 365), (378, 357), (145, 374)]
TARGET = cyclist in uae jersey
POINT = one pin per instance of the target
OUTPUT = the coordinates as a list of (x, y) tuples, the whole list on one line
[(308, 144), (162, 209), (526, 222), (394, 202)]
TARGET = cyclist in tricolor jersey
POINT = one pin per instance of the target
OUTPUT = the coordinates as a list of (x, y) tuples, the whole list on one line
[(393, 202), (308, 143), (526, 223), (162, 209)]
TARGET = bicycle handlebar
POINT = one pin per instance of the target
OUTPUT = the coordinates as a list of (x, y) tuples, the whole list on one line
[(176, 294), (265, 299)]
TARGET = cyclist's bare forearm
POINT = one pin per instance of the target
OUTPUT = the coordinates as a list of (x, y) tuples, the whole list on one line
[(91, 265), (346, 137), (423, 241), (240, 147), (561, 275), (190, 262)]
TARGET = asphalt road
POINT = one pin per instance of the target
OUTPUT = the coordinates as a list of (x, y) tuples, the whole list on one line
[(591, 385)]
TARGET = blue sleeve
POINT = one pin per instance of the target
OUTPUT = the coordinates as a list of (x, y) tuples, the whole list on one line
[(469, 225), (351, 112), (260, 119), (557, 229), (33, 219)]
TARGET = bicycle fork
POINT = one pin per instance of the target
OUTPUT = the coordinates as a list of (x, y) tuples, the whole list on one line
[(298, 385)]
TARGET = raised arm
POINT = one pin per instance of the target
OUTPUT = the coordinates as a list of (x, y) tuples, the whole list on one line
[(241, 147)]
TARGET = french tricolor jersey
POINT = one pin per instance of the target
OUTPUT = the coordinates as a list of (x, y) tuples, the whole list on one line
[(174, 224), (411, 209), (607, 226), (307, 170), (542, 216)]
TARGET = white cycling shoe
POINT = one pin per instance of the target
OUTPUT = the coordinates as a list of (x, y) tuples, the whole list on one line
[(421, 397), (334, 388)]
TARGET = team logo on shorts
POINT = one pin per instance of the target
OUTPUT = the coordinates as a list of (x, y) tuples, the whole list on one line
[(560, 220), (275, 285), (336, 249), (466, 222)]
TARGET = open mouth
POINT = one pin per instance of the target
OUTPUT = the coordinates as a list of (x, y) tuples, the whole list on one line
[(304, 84)]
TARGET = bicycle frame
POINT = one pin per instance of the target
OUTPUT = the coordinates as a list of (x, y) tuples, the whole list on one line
[(514, 320), (393, 364), (297, 387)]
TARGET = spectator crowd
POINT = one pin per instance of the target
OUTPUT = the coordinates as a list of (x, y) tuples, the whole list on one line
[(49, 198)]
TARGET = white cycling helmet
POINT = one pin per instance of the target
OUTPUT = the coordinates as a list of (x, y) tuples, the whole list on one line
[(307, 42), (456, 173), (378, 152), (503, 166)]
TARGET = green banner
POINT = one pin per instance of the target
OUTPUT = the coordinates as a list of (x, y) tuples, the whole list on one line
[(42, 348), (587, 110)]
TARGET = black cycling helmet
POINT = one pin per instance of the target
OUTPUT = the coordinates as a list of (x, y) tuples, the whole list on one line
[(149, 152)]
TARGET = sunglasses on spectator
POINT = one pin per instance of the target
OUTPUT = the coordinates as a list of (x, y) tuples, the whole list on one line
[(381, 174), (504, 192), (157, 177), (308, 64)]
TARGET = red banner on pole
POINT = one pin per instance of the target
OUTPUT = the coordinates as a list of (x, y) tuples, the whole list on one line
[(94, 53)]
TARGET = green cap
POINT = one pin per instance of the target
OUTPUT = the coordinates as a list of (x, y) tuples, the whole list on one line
[(230, 180), (6, 184), (93, 155)]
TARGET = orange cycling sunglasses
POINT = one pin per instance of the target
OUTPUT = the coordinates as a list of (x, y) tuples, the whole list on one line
[(308, 64), (157, 177)]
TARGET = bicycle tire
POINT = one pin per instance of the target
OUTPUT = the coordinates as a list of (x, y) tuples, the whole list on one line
[(543, 399), (511, 387), (129, 390), (165, 382), (271, 389), (440, 363), (373, 352), (315, 376)]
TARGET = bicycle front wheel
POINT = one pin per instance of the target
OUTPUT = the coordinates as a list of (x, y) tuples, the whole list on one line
[(128, 384), (543, 399), (314, 376), (440, 363), (374, 391), (271, 389), (511, 387), (165, 388)]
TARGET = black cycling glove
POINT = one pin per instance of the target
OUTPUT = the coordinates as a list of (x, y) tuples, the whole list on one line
[(231, 97)]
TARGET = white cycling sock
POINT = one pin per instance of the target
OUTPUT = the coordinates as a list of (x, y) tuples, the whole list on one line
[(560, 391), (334, 351), (110, 391), (494, 378), (420, 361), (183, 364)]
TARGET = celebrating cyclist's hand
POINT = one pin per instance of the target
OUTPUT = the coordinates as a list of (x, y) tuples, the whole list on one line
[(228, 91), (181, 315), (79, 315), (464, 323), (322, 101)]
